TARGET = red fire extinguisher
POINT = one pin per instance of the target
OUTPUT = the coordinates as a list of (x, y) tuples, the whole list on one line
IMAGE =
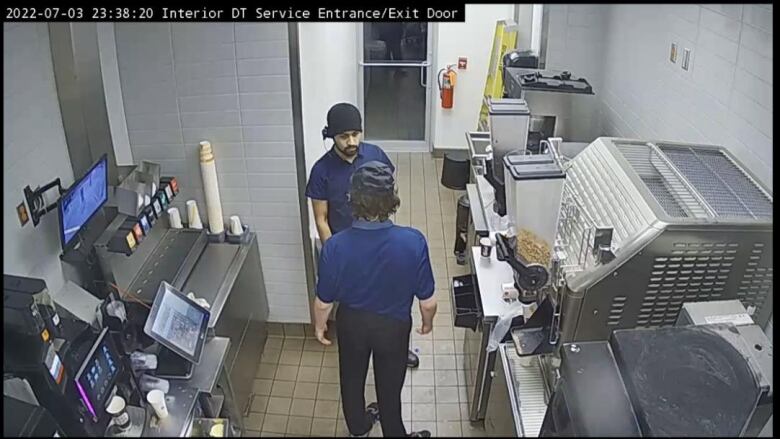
[(446, 80)]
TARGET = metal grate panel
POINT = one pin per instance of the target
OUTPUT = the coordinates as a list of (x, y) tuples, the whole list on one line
[(693, 272), (723, 185), (616, 310), (756, 285), (663, 181)]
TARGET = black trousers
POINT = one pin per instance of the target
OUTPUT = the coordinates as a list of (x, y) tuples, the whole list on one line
[(360, 335)]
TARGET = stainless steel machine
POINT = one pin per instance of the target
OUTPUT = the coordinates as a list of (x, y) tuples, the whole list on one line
[(642, 228), (709, 375)]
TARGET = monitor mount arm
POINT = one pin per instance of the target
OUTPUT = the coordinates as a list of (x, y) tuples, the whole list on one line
[(35, 201)]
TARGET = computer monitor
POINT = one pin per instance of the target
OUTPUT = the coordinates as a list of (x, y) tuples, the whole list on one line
[(82, 201), (178, 323), (98, 373)]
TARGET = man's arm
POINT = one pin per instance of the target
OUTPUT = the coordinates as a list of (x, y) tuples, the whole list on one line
[(321, 313), (427, 310), (320, 208)]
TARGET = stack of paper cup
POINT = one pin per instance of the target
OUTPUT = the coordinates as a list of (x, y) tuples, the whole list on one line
[(174, 217), (235, 225), (156, 398), (193, 216)]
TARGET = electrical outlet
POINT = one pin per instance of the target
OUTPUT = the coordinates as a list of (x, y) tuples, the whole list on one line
[(686, 61), (673, 53), (21, 210)]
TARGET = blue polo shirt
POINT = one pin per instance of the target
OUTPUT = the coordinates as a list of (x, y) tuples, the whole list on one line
[(329, 181), (377, 267)]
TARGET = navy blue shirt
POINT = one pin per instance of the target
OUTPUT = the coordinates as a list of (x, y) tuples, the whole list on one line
[(377, 267), (329, 181)]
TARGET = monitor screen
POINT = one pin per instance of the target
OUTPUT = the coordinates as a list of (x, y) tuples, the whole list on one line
[(97, 375), (80, 203), (178, 323)]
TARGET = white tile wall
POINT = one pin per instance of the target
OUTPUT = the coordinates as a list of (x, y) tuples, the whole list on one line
[(725, 99), (229, 84), (34, 150)]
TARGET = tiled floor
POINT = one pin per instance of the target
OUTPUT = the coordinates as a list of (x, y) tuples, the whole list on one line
[(296, 391)]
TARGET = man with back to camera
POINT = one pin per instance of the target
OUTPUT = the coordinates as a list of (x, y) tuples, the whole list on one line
[(329, 180), (374, 269)]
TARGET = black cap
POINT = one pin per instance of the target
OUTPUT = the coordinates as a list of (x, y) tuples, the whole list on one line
[(373, 176), (342, 117)]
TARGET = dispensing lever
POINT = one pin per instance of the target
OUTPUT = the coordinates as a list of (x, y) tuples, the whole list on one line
[(529, 277)]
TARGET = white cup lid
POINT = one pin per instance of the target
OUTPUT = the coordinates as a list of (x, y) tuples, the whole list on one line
[(116, 405)]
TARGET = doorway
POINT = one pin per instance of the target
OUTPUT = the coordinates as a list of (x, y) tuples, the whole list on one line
[(394, 63)]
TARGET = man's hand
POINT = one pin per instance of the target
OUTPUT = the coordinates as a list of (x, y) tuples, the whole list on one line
[(321, 312), (424, 329), (319, 332)]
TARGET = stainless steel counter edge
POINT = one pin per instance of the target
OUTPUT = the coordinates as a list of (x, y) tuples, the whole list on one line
[(477, 213), (230, 279), (205, 374)]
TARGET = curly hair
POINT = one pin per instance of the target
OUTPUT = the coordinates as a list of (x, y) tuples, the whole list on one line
[(376, 206)]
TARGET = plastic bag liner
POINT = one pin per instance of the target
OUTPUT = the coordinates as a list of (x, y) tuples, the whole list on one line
[(504, 322)]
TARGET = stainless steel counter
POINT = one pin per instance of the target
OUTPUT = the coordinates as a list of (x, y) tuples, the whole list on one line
[(491, 274), (518, 401), (205, 374), (181, 400)]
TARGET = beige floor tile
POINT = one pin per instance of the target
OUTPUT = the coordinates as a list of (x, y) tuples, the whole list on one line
[(266, 371), (275, 329), (422, 377), (464, 411), (292, 344), (426, 362), (447, 411), (293, 330), (275, 424), (406, 394), (326, 409), (444, 362), (291, 358), (341, 429), (330, 359), (406, 412), (274, 343), (254, 421), (311, 358), (329, 392), (370, 394), (422, 346), (278, 406), (423, 411), (446, 378), (329, 375), (423, 394), (305, 390), (286, 373), (444, 347), (251, 433), (313, 345), (262, 387), (270, 356), (463, 393), (269, 434), (309, 374), (323, 427), (447, 394), (283, 388), (259, 404), (448, 428), (302, 407)]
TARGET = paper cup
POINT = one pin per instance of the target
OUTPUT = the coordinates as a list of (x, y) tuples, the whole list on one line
[(235, 225), (116, 408), (175, 218), (156, 398), (193, 216)]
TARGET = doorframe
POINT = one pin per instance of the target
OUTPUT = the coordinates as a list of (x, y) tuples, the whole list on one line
[(402, 145)]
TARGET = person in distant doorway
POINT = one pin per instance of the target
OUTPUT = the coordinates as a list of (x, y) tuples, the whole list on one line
[(329, 180), (374, 270)]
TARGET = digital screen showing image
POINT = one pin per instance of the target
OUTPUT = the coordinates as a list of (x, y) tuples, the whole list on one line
[(179, 322), (78, 205), (99, 373)]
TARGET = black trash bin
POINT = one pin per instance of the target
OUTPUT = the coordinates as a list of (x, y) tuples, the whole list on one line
[(455, 170), (461, 228)]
